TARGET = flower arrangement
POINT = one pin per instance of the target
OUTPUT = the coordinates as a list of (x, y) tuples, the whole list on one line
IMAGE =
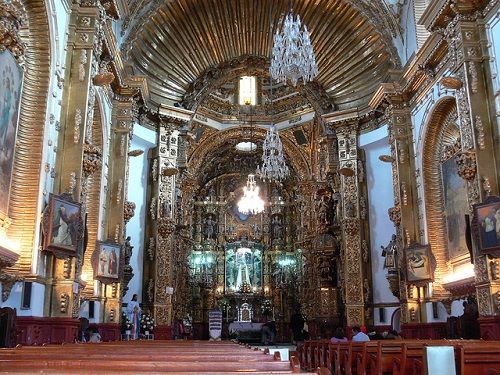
[(147, 323), (126, 323), (266, 307)]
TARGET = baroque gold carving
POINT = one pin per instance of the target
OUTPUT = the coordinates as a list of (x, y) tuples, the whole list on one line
[(92, 159), (466, 162), (395, 215), (128, 211), (11, 20)]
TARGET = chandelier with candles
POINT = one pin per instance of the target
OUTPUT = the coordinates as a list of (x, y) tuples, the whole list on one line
[(292, 55), (251, 203), (273, 161)]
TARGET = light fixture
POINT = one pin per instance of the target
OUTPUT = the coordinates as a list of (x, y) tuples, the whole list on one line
[(251, 203), (273, 161), (292, 55)]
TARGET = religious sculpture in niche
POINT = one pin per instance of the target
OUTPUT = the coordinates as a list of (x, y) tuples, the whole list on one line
[(326, 207), (243, 267), (277, 227), (390, 253), (210, 227)]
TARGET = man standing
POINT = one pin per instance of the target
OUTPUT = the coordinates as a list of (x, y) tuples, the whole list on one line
[(134, 315)]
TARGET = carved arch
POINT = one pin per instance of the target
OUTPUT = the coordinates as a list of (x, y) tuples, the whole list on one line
[(24, 204), (295, 156), (440, 129)]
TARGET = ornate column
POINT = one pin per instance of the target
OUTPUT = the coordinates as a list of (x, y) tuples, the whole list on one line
[(469, 52), (75, 160), (162, 209), (118, 209), (351, 222)]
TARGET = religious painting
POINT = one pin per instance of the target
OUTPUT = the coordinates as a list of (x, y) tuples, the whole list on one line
[(63, 225), (243, 268), (487, 225), (418, 263), (455, 208), (10, 99), (106, 260)]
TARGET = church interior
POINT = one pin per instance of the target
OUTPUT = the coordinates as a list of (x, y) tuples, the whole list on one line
[(188, 170)]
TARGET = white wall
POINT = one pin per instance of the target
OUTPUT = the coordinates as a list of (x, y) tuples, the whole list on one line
[(143, 139), (380, 199), (37, 299)]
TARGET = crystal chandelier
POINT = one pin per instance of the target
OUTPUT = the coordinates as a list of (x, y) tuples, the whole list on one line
[(273, 160), (251, 203), (293, 56)]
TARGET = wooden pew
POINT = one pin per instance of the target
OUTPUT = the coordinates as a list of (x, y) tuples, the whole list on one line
[(143, 357)]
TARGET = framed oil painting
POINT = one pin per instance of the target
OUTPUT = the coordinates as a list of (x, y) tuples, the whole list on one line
[(455, 208), (106, 261), (11, 79), (63, 225), (486, 225), (418, 263)]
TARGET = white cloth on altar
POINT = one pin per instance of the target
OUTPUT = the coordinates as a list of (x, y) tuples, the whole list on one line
[(244, 326)]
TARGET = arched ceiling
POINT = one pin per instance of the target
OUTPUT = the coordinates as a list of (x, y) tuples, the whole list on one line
[(185, 38)]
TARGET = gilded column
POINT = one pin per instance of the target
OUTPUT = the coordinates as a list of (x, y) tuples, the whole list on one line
[(84, 45), (469, 52), (123, 118), (351, 223), (162, 212), (404, 212)]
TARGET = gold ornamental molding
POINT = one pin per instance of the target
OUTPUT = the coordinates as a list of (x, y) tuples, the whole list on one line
[(11, 20), (23, 204)]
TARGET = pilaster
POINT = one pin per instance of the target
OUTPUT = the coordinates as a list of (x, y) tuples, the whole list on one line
[(469, 50)]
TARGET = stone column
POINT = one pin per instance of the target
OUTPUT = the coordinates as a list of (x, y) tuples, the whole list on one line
[(352, 230)]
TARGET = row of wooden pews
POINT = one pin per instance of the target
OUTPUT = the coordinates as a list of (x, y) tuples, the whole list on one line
[(470, 357), (149, 357)]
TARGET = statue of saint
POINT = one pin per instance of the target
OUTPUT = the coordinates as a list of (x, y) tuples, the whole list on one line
[(127, 250), (390, 253), (277, 228), (209, 228), (323, 206)]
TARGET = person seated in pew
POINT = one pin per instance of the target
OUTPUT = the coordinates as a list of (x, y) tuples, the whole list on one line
[(95, 336), (393, 335), (358, 336), (373, 334), (338, 336)]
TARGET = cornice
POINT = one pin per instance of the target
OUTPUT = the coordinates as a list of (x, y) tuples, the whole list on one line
[(439, 12)]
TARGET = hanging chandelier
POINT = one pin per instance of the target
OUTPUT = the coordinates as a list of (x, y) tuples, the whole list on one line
[(273, 160), (292, 55), (251, 203)]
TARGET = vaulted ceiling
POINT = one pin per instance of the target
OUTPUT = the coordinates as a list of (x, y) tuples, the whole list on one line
[(185, 38)]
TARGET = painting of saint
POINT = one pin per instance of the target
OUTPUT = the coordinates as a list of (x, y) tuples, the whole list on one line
[(418, 263), (489, 226), (108, 260), (65, 221), (455, 207), (10, 97)]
